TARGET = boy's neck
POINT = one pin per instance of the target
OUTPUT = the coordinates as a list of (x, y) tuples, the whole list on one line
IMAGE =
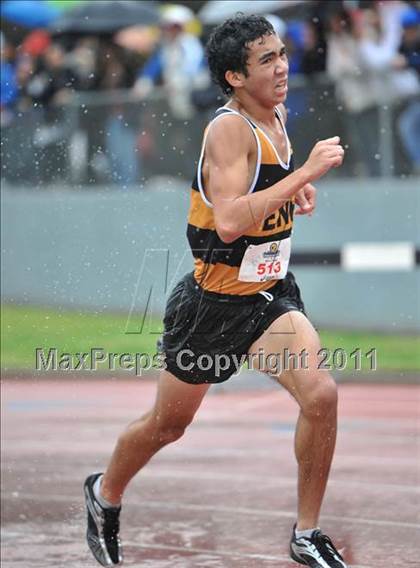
[(249, 107)]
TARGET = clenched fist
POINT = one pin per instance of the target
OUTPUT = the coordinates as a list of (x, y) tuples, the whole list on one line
[(326, 154)]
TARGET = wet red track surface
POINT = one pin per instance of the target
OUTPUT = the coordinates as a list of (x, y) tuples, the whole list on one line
[(224, 495)]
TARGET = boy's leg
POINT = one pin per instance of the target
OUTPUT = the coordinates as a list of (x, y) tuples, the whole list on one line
[(174, 409), (175, 406), (316, 393)]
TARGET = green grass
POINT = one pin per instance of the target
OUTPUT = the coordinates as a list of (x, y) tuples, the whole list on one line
[(25, 328), (393, 352)]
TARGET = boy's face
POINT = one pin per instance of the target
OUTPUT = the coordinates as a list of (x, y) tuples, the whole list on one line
[(268, 70)]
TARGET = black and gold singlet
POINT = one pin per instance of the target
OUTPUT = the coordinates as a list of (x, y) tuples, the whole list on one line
[(219, 266)]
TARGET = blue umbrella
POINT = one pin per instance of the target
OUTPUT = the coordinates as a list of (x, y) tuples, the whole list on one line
[(29, 13), (106, 16)]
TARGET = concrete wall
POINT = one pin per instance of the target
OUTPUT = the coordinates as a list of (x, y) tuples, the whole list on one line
[(104, 249)]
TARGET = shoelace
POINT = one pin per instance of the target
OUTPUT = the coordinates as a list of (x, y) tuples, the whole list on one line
[(325, 544)]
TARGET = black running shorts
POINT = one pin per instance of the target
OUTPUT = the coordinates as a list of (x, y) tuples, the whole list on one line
[(206, 334)]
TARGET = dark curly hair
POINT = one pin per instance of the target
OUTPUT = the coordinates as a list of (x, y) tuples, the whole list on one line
[(227, 47)]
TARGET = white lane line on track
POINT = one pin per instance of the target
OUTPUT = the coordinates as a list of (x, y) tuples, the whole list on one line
[(273, 514), (156, 471), (218, 509), (356, 424), (274, 451)]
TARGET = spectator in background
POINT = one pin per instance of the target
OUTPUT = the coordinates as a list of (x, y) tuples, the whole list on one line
[(88, 145), (28, 63), (52, 81), (297, 45), (121, 124), (410, 41), (8, 101), (176, 64), (110, 132), (49, 88), (314, 48), (17, 70), (82, 60), (8, 83), (409, 120), (35, 43), (362, 60), (294, 41), (306, 46), (25, 69)]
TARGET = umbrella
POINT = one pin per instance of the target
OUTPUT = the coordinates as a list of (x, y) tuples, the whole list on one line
[(215, 12), (29, 13), (106, 16)]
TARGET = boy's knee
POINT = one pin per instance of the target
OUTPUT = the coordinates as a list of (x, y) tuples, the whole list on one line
[(169, 429), (168, 434), (321, 400)]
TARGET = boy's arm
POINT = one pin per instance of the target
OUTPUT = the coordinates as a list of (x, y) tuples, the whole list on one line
[(228, 147)]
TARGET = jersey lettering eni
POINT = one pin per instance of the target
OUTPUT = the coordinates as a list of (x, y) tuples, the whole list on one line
[(228, 268)]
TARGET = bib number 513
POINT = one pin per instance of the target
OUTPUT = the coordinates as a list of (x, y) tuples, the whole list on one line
[(268, 268)]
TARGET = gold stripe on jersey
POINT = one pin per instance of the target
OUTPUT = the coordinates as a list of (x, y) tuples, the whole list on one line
[(267, 150), (223, 279), (200, 214)]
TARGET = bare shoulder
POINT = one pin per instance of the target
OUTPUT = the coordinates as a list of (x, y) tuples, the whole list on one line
[(230, 147), (283, 111), (229, 136)]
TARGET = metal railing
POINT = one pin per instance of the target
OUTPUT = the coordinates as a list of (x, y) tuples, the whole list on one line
[(113, 137)]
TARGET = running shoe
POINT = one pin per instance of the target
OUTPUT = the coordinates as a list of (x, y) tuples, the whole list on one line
[(103, 527), (317, 551)]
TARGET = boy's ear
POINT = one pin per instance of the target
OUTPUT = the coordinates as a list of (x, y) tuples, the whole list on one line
[(234, 78)]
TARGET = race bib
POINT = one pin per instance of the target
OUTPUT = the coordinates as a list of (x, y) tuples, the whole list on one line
[(265, 262)]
